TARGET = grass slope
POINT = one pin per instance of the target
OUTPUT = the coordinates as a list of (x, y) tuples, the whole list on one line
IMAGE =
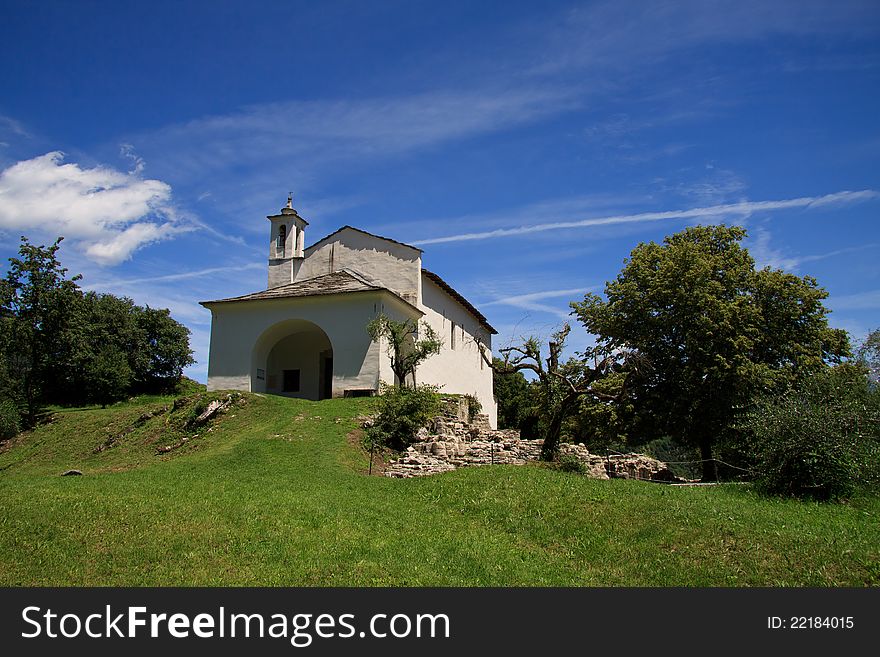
[(275, 495)]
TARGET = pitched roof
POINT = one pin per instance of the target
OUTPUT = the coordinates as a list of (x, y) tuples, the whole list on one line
[(464, 302), (338, 282), (387, 239)]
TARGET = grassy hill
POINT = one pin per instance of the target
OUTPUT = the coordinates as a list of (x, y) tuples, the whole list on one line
[(275, 494)]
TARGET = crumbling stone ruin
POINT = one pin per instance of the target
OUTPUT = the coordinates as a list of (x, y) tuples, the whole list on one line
[(452, 442)]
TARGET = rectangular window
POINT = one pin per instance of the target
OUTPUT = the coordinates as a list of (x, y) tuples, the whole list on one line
[(452, 336), (291, 381), (261, 375)]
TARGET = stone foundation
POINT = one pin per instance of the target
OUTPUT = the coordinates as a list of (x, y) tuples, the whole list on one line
[(451, 442)]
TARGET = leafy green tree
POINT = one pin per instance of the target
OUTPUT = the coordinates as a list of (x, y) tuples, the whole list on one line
[(155, 346), (713, 330), (38, 307), (164, 349), (108, 375), (869, 354), (59, 345), (603, 424), (104, 325), (405, 346), (513, 394)]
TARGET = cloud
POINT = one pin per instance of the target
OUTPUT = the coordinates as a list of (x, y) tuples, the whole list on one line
[(106, 213), (13, 127), (766, 255), (618, 35), (714, 212), (127, 151), (862, 301), (210, 271), (530, 301), (316, 132)]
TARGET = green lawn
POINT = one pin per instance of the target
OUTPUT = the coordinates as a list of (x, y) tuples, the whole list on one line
[(275, 495)]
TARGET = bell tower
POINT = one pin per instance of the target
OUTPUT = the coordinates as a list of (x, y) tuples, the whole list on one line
[(286, 237)]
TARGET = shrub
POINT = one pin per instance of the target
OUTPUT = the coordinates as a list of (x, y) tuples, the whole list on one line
[(819, 440), (683, 460), (10, 419), (570, 463), (474, 406), (402, 412)]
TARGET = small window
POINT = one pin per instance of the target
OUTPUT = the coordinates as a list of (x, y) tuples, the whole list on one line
[(261, 375), (452, 337), (359, 392), (291, 381)]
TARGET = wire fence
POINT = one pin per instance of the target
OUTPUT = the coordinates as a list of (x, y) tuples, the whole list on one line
[(746, 475)]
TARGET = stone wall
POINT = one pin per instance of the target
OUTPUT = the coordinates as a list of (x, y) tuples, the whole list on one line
[(451, 442)]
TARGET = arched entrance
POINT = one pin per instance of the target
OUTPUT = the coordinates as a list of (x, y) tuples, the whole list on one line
[(293, 358)]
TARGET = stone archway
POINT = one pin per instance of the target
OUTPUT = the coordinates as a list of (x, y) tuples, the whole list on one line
[(293, 358)]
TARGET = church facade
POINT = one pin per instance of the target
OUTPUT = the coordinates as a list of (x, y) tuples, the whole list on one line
[(305, 335)]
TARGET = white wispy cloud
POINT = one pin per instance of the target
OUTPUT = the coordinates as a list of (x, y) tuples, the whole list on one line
[(11, 126), (740, 209), (322, 131), (869, 300), (766, 255), (166, 278), (107, 213), (531, 301), (615, 34)]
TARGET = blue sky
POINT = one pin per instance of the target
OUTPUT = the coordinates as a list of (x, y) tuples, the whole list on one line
[(526, 147)]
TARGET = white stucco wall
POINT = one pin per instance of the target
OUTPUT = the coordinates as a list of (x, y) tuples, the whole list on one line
[(276, 334), (395, 266), (244, 333), (460, 370)]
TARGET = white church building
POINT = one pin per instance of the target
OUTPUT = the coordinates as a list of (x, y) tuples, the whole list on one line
[(305, 335)]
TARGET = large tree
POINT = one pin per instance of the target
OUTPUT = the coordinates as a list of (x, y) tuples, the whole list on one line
[(713, 329), (39, 321), (58, 345)]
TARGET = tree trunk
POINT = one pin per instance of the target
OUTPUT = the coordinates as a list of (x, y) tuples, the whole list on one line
[(710, 468), (400, 376), (551, 438), (550, 448)]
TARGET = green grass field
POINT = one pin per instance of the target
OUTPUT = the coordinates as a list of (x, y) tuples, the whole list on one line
[(276, 495)]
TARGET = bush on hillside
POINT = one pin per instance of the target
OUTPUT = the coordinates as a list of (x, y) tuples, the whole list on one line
[(474, 406), (820, 440), (10, 419), (402, 412), (570, 463)]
